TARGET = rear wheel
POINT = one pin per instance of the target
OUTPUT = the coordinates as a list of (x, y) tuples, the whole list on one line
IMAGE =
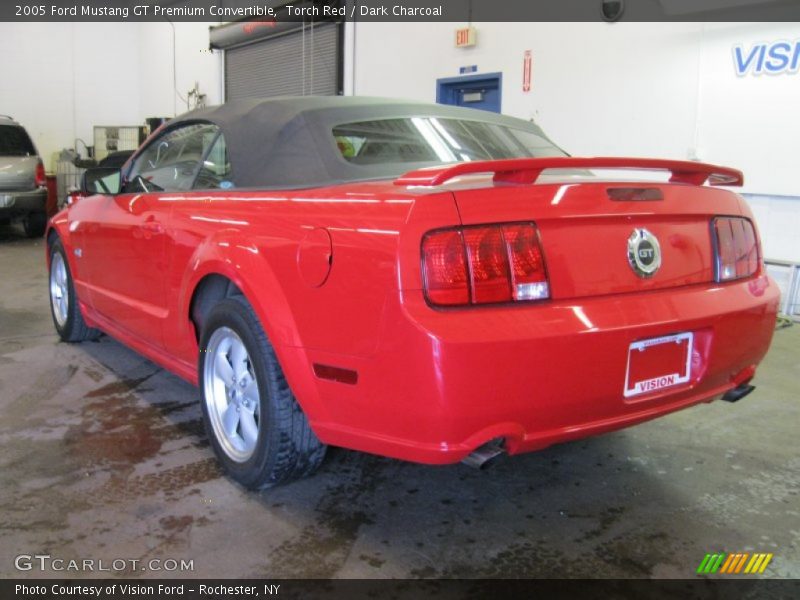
[(257, 429), (63, 302), (35, 223)]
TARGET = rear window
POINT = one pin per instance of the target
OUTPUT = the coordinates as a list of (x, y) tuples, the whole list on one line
[(436, 140), (14, 141)]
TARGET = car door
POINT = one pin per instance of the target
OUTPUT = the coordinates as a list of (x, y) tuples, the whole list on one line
[(126, 250)]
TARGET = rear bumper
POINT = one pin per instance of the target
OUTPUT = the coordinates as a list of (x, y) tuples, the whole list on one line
[(15, 203), (443, 383)]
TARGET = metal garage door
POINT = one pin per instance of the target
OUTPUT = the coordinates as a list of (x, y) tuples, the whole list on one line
[(298, 63)]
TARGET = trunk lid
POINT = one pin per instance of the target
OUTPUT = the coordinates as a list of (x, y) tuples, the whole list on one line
[(585, 227)]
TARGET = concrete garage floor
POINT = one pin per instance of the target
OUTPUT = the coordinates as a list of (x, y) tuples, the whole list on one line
[(102, 455)]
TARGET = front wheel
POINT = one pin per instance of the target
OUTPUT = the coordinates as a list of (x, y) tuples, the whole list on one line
[(64, 307), (257, 429)]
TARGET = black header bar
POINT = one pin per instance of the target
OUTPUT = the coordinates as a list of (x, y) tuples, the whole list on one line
[(456, 11)]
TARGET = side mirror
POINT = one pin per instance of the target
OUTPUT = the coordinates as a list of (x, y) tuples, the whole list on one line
[(101, 180)]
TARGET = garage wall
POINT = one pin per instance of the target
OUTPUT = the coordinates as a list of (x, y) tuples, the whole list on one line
[(641, 89), (55, 79), (582, 92), (61, 79), (194, 63)]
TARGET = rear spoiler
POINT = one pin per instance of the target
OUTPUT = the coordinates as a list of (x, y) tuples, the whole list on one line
[(528, 170)]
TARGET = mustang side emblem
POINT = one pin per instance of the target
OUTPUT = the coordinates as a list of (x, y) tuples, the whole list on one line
[(644, 253)]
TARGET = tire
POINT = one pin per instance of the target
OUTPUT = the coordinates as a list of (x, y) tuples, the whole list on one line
[(35, 223), (67, 316), (242, 385)]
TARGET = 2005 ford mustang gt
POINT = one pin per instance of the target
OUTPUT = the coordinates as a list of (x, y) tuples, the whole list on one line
[(425, 282)]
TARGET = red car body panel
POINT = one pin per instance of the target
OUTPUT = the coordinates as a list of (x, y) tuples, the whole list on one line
[(432, 384)]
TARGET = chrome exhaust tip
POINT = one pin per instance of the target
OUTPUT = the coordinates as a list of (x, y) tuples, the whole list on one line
[(738, 392), (484, 455)]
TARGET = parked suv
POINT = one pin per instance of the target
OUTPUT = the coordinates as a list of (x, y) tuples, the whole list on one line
[(23, 191)]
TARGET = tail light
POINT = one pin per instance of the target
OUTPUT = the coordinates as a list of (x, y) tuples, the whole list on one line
[(737, 251), (484, 265), (40, 178)]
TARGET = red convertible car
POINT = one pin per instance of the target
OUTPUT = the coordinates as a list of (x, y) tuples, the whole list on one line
[(424, 282)]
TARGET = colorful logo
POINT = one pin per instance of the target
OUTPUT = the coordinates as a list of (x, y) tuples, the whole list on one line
[(737, 563)]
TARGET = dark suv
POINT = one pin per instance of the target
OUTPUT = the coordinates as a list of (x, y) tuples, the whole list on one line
[(23, 191)]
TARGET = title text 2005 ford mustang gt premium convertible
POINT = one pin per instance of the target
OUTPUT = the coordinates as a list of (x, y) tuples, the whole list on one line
[(424, 282)]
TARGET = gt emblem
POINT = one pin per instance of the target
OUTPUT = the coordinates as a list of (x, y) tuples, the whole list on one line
[(644, 253)]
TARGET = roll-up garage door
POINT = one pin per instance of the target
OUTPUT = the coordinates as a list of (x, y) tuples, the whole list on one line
[(298, 63)]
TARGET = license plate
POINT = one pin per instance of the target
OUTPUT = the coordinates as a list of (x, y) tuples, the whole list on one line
[(658, 363)]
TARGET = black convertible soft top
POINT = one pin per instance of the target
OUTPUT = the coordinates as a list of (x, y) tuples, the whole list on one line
[(288, 142)]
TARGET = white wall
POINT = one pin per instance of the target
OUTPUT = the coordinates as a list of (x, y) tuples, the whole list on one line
[(61, 79), (639, 89), (58, 79), (582, 92), (194, 63), (778, 219)]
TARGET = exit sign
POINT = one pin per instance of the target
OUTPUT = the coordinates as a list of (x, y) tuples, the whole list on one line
[(465, 37)]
